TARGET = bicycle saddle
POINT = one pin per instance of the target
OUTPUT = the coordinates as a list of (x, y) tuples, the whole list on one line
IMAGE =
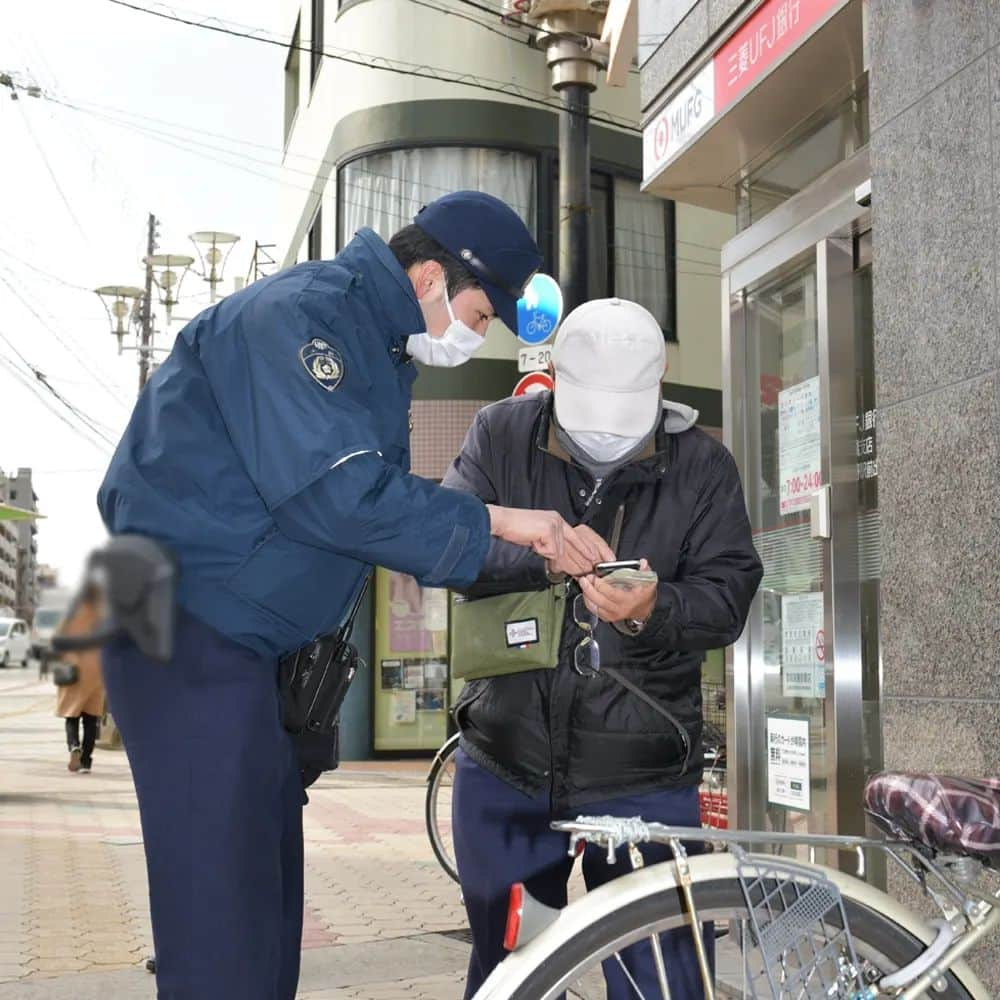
[(943, 813)]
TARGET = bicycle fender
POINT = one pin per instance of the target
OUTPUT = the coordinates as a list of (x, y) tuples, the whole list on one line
[(579, 915)]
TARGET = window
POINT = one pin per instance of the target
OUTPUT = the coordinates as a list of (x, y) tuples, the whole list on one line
[(292, 64), (644, 253), (316, 48), (386, 190), (631, 247), (631, 234), (314, 243)]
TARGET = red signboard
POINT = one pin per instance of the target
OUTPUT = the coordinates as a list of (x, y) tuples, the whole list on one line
[(777, 28), (535, 382)]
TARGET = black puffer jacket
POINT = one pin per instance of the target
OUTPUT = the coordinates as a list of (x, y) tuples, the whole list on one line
[(587, 738)]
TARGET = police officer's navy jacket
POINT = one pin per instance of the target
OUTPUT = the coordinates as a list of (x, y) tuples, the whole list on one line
[(586, 739), (270, 453)]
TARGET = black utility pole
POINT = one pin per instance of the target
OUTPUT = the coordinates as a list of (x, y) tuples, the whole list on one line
[(146, 320), (574, 194)]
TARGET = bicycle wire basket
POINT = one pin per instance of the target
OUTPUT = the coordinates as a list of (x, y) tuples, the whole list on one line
[(799, 927), (713, 703)]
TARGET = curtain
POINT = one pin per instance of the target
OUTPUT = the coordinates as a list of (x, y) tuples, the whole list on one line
[(386, 190), (641, 252)]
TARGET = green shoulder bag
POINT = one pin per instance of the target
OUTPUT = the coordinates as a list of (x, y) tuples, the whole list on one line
[(507, 634)]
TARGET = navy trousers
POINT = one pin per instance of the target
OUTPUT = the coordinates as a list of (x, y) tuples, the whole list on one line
[(502, 836), (220, 798)]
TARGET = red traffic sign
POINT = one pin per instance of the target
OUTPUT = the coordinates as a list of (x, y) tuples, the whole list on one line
[(533, 382)]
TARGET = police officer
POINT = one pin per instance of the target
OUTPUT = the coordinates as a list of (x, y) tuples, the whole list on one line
[(270, 454)]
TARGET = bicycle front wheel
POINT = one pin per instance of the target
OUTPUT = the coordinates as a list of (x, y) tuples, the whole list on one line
[(571, 964), (437, 806)]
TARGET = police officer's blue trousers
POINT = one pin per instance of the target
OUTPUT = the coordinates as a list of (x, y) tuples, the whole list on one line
[(220, 799), (502, 836)]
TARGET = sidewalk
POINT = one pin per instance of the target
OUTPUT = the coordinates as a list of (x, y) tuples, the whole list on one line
[(382, 921)]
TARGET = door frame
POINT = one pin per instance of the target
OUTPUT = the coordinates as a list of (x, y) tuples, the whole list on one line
[(821, 220)]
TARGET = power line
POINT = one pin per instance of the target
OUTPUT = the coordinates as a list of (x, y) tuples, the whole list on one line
[(45, 274), (40, 377), (470, 18), (119, 117), (192, 146), (26, 382), (115, 395), (52, 175), (97, 377), (382, 64), (494, 11)]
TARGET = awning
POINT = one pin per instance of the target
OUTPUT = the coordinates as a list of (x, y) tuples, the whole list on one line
[(8, 513), (743, 99)]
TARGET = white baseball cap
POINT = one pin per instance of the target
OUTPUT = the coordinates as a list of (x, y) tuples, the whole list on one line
[(609, 358)]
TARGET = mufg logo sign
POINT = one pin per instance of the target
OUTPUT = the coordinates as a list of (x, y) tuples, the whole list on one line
[(691, 109)]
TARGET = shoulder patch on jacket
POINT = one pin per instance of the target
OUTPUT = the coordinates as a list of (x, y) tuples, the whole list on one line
[(323, 363)]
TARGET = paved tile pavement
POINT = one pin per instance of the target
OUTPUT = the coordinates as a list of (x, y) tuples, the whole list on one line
[(382, 920)]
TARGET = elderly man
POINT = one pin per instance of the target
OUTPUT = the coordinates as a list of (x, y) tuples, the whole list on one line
[(615, 728)]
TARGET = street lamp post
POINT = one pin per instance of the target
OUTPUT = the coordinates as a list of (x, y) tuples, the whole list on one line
[(169, 270), (166, 271), (116, 300), (209, 244)]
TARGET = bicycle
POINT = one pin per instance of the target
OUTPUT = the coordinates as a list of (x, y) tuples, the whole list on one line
[(797, 929), (437, 806), (437, 800)]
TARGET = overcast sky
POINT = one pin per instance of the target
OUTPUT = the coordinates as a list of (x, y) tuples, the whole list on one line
[(77, 187)]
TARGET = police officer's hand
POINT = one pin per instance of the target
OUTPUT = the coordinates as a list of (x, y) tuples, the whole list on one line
[(542, 530), (578, 563)]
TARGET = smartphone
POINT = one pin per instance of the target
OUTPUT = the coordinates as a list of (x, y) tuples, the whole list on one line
[(606, 568)]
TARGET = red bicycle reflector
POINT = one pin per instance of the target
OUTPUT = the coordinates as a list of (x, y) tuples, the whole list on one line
[(515, 910), (526, 918)]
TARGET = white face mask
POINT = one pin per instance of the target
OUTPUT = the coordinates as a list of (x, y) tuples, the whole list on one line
[(603, 447), (453, 348)]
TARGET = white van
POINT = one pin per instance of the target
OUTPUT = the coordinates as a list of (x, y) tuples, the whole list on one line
[(48, 617), (15, 644)]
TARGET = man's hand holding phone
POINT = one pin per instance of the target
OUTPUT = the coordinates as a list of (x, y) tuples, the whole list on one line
[(620, 591)]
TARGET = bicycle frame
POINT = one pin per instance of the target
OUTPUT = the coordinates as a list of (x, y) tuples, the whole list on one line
[(968, 915)]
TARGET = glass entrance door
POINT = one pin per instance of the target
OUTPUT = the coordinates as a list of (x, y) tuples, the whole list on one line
[(805, 673)]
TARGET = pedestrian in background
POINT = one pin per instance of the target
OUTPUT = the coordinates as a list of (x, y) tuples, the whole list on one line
[(81, 701)]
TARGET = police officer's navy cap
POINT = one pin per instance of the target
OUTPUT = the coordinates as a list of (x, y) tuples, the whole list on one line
[(491, 241)]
